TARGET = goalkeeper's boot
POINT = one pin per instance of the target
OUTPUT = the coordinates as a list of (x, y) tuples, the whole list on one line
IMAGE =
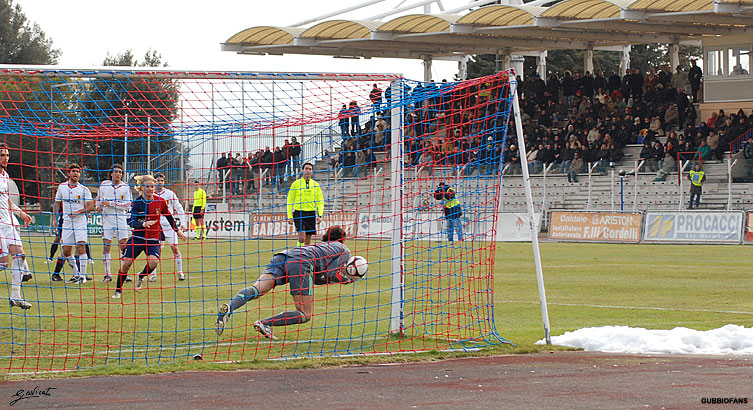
[(27, 277), (181, 276), (56, 277), (20, 303), (265, 330), (223, 315), (116, 295)]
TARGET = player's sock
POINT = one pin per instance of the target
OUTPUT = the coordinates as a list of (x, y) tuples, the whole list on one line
[(244, 296), (292, 317), (26, 267), (146, 271), (15, 274), (59, 265), (121, 279), (78, 264), (107, 261), (73, 263), (88, 251), (53, 249), (83, 261), (178, 263)]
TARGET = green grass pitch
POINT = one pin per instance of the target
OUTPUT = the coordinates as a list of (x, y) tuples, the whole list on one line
[(652, 286)]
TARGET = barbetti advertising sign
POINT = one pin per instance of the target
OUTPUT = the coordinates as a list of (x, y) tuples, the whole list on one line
[(595, 227)]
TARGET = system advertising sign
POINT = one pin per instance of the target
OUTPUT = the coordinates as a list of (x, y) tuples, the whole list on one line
[(693, 226), (595, 227)]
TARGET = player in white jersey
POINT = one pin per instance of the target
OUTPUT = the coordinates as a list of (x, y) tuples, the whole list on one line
[(176, 209), (77, 201), (9, 236), (114, 200)]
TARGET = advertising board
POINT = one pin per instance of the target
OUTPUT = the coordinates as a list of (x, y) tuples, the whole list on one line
[(595, 227), (693, 226)]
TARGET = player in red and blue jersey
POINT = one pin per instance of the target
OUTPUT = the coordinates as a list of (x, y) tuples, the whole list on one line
[(144, 218)]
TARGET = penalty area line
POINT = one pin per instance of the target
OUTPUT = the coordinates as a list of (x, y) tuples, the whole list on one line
[(632, 307)]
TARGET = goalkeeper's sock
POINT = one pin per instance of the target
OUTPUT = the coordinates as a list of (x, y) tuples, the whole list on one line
[(146, 271), (244, 296), (292, 317), (53, 249)]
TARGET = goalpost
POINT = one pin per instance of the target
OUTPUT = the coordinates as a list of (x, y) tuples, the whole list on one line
[(379, 162)]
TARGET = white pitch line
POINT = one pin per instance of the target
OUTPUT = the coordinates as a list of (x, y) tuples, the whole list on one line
[(632, 307)]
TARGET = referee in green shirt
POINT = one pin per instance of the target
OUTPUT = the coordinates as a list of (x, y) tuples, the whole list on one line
[(305, 201)]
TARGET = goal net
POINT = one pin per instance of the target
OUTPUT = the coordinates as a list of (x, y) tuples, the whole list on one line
[(409, 170)]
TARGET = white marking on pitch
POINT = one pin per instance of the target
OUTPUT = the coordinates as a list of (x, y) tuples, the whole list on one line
[(631, 307)]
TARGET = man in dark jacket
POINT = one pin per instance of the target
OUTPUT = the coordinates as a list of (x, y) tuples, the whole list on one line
[(694, 76), (267, 165)]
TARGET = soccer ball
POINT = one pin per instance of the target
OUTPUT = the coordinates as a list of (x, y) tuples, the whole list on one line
[(357, 266)]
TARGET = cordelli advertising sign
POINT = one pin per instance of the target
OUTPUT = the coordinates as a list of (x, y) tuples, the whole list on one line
[(595, 227)]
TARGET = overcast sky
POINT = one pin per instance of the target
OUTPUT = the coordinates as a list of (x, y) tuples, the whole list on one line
[(188, 33)]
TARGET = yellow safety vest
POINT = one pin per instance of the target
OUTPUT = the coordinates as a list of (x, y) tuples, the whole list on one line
[(305, 196), (696, 177), (451, 203)]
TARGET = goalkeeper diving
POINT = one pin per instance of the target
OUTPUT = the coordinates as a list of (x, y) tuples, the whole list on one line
[(302, 267)]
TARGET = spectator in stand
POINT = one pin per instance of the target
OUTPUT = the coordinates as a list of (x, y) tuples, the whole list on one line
[(670, 117), (279, 159), (636, 85), (354, 113), (222, 164), (376, 98), (513, 158), (349, 164), (344, 122), (665, 76), (253, 165), (696, 177), (613, 83), (237, 173), (705, 151), (288, 164), (602, 157), (566, 156), (667, 164), (615, 154), (578, 166), (711, 122), (267, 166), (682, 107), (748, 152), (295, 155), (568, 87), (647, 156), (695, 75)]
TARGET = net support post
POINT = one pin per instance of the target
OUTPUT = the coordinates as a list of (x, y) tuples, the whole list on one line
[(529, 206), (396, 155)]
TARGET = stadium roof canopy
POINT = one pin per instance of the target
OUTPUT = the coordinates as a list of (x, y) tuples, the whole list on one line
[(504, 29)]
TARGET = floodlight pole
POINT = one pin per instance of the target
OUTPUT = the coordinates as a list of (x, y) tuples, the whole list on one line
[(529, 204)]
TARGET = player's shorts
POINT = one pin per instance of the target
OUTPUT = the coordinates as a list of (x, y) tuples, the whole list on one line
[(169, 233), (198, 213), (115, 228), (305, 221), (74, 231), (135, 246), (9, 236), (299, 275)]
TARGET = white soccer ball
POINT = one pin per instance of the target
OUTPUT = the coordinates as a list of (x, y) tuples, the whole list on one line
[(357, 266)]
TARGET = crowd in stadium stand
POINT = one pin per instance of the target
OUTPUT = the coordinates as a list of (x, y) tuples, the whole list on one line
[(240, 175), (568, 121)]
